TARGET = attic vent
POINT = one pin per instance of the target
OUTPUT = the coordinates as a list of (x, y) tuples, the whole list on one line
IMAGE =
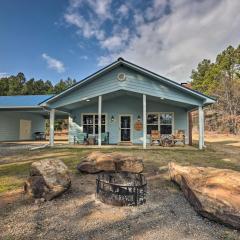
[(121, 76)]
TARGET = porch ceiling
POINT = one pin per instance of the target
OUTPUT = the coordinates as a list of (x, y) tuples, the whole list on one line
[(122, 93)]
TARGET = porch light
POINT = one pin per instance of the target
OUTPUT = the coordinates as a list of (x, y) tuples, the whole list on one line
[(112, 118), (139, 118)]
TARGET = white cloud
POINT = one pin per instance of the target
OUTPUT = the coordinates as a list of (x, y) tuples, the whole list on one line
[(53, 63), (116, 41), (84, 57), (4, 74), (169, 37), (88, 29), (102, 8), (123, 10), (173, 44)]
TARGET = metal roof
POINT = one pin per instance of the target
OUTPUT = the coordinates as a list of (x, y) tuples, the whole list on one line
[(23, 101)]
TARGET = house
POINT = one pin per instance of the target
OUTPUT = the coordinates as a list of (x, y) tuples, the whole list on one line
[(127, 101)]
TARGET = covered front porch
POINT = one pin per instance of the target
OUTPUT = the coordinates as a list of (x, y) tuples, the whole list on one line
[(127, 119)]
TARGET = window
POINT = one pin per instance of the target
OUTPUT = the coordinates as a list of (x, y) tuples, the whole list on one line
[(162, 122), (90, 123), (152, 122), (166, 122)]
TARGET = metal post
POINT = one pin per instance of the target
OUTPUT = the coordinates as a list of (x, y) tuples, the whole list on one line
[(99, 120)]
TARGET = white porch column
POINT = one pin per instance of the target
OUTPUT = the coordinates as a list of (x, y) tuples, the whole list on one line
[(70, 121), (52, 118), (201, 126), (144, 122), (99, 120)]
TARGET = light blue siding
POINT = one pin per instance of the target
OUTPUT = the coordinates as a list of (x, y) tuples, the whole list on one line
[(135, 82), (129, 105), (10, 124)]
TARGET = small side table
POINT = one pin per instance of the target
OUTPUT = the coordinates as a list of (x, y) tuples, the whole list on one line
[(167, 142)]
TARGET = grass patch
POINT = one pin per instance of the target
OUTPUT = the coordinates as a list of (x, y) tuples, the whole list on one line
[(13, 174)]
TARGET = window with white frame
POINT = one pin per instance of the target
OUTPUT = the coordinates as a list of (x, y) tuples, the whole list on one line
[(90, 123), (161, 121), (152, 122), (166, 123)]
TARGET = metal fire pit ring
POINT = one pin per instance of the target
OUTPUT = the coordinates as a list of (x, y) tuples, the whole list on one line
[(121, 188)]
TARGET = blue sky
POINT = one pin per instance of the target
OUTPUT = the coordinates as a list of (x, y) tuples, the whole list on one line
[(73, 38)]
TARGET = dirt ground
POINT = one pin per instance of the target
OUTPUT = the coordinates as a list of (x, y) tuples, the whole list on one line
[(77, 214)]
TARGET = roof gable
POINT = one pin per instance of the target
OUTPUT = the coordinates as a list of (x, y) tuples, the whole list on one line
[(164, 85)]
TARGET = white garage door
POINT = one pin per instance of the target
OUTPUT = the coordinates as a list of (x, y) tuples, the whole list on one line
[(25, 129)]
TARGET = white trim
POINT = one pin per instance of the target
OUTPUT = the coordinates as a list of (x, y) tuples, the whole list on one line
[(70, 122), (167, 81), (100, 120), (119, 126), (201, 128), (144, 121), (52, 119), (158, 113), (140, 69), (94, 113), (83, 81), (187, 133)]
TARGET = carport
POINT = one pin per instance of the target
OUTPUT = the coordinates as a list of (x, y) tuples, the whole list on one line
[(21, 117)]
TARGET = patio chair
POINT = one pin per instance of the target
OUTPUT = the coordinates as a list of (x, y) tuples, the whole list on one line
[(179, 137), (155, 137), (40, 136), (80, 138), (104, 138)]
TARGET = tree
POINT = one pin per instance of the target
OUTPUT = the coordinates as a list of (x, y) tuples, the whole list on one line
[(222, 79), (18, 85), (63, 85), (4, 86)]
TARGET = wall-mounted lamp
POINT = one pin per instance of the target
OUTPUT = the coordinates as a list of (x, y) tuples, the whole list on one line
[(88, 100), (112, 118), (139, 118)]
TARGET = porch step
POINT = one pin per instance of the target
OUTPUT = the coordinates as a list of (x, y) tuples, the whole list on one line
[(125, 143)]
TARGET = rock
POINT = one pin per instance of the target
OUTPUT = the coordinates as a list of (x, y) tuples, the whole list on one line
[(48, 179), (39, 200), (97, 161), (214, 193), (87, 167)]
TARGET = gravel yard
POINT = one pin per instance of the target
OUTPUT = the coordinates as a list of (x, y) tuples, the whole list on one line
[(78, 215)]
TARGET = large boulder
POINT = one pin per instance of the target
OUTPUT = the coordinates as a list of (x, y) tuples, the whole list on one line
[(214, 193), (97, 161), (48, 179)]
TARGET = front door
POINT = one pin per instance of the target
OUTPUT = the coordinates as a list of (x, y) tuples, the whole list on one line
[(125, 128)]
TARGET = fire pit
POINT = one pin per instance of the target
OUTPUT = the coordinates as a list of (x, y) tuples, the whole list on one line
[(121, 188)]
